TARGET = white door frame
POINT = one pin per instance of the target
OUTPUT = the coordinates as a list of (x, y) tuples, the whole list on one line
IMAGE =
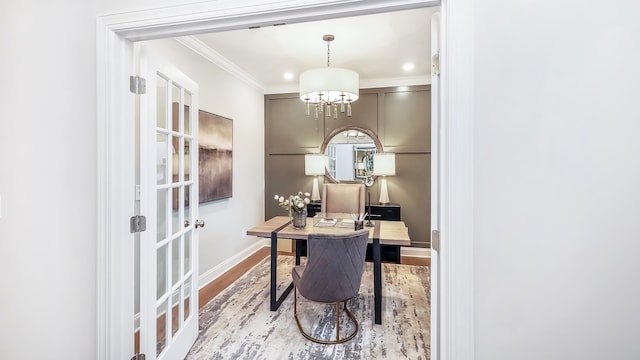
[(116, 141)]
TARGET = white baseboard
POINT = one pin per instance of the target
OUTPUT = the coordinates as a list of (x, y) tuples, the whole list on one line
[(226, 265), (415, 252)]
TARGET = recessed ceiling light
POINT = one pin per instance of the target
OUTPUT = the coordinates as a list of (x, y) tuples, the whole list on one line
[(288, 76), (408, 67)]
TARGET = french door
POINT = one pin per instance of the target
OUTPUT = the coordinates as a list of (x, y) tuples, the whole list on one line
[(169, 199)]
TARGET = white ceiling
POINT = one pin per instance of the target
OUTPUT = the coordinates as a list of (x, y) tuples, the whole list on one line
[(376, 46)]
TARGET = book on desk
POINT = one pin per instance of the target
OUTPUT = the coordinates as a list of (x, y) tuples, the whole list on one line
[(325, 222)]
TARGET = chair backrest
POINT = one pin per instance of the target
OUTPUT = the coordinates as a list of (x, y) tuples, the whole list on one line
[(335, 263), (343, 198)]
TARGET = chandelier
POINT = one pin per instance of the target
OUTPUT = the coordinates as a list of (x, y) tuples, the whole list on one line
[(326, 88)]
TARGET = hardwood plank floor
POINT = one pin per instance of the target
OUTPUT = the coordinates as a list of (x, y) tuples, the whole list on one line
[(216, 286)]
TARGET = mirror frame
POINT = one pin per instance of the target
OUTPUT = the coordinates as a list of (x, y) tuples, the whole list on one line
[(339, 130)]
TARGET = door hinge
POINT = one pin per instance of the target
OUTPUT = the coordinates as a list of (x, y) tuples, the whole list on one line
[(139, 357), (435, 64), (137, 84), (138, 223), (435, 240)]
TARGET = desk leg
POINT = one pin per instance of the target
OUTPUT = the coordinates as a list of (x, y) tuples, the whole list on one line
[(298, 251), (276, 301), (377, 280), (274, 270)]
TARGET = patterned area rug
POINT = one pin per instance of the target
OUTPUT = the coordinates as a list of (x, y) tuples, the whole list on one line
[(237, 324)]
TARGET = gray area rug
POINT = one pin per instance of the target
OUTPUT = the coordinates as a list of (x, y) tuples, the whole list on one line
[(237, 324)]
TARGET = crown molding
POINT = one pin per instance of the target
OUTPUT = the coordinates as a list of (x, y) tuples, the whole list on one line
[(217, 59)]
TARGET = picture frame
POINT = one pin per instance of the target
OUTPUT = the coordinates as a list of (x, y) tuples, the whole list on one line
[(215, 161)]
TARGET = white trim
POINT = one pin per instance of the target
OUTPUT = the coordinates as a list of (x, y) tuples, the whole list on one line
[(115, 147), (222, 15), (226, 265), (456, 306), (387, 82), (436, 180), (415, 252)]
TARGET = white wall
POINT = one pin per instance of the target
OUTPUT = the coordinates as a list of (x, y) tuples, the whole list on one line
[(557, 180), (48, 180), (225, 95)]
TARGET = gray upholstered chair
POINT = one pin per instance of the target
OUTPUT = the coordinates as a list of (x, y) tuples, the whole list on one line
[(343, 198), (333, 273)]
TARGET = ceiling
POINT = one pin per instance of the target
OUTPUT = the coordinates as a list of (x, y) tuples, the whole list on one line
[(376, 46)]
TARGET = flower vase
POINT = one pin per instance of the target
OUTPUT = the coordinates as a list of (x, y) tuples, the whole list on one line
[(299, 219)]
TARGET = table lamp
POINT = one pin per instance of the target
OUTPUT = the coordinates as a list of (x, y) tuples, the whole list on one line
[(384, 164), (314, 165)]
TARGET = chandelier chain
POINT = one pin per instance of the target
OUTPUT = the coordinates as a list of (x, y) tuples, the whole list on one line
[(328, 52)]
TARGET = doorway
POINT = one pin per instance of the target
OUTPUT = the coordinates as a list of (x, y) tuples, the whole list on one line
[(116, 144)]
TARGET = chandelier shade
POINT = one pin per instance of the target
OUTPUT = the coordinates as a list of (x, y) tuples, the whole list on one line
[(332, 85), (325, 88)]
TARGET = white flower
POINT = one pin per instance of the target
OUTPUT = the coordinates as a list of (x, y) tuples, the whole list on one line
[(297, 203), (307, 194)]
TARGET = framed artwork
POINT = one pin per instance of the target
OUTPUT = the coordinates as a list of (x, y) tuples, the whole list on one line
[(215, 165), (363, 156)]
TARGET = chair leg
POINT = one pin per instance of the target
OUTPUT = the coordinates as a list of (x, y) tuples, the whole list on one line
[(295, 302), (337, 320), (328, 342)]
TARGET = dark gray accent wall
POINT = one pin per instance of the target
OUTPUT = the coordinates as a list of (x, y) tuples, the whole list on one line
[(401, 117)]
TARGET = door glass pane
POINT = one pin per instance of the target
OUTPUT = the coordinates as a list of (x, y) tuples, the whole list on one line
[(187, 209), (161, 339), (175, 214), (175, 264), (187, 115), (187, 297), (162, 281), (162, 159), (187, 252), (175, 147), (161, 105), (175, 311), (187, 160), (175, 100), (162, 201)]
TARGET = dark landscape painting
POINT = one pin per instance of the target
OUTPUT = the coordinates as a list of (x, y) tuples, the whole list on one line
[(216, 156)]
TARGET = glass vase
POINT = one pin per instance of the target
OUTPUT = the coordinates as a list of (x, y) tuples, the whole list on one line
[(299, 219)]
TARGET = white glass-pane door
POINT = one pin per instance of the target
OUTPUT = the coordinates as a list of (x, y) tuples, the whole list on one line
[(168, 275)]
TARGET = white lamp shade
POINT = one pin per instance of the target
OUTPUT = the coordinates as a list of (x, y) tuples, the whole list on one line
[(315, 164), (384, 164), (331, 82)]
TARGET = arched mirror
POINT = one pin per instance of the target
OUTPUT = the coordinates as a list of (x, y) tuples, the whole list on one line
[(350, 150)]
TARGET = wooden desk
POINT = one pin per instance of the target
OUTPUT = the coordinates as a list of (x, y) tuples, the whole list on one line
[(384, 232)]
